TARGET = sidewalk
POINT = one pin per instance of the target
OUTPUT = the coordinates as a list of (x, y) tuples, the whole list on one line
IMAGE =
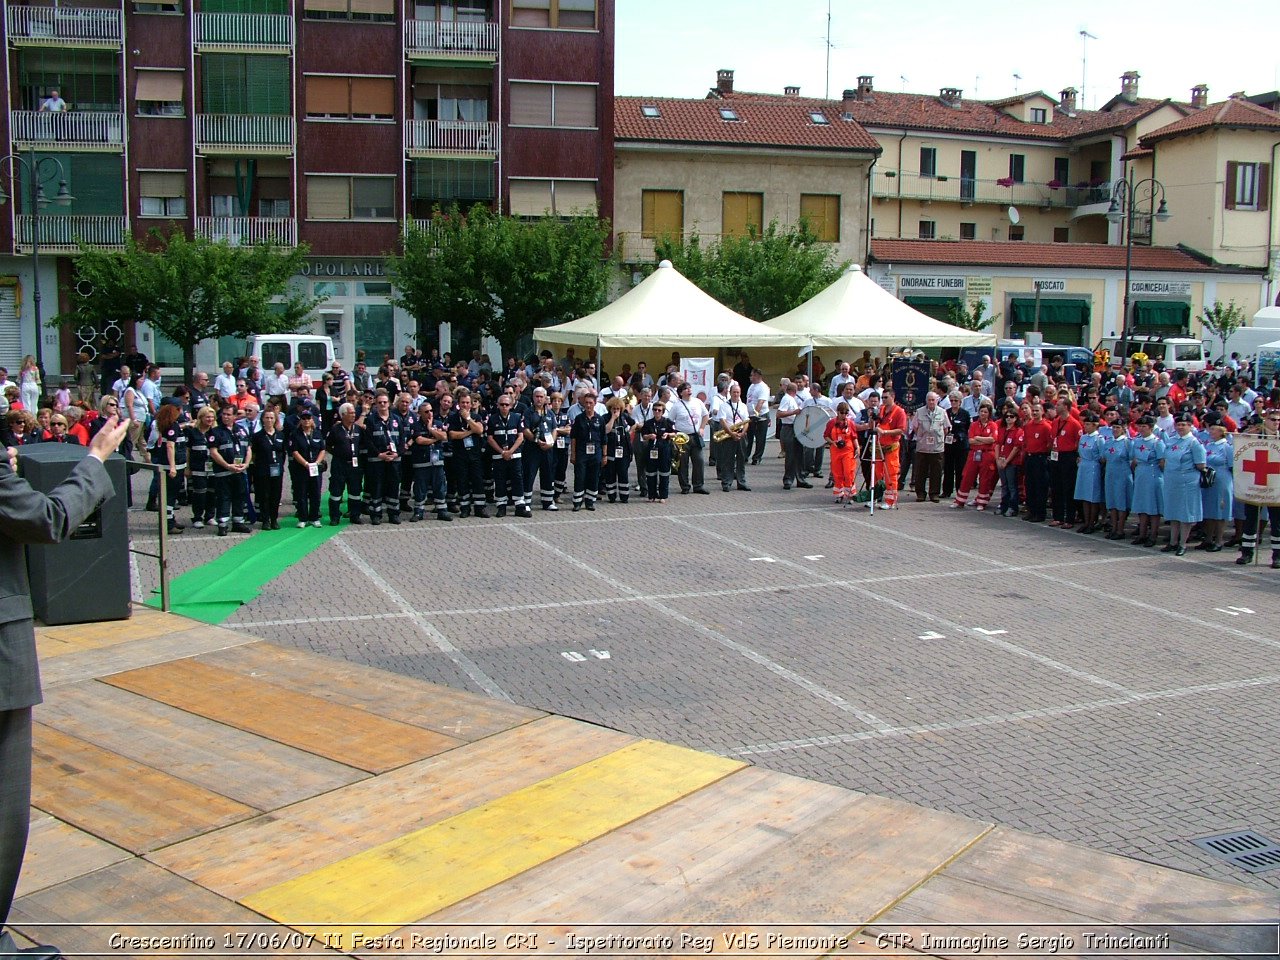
[(186, 774)]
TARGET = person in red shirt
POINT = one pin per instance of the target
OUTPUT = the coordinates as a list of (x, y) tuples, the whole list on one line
[(981, 465), (1038, 438), (893, 425), (1064, 454), (1008, 459)]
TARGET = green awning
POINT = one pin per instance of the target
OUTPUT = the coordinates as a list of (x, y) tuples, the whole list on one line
[(1169, 318), (936, 307), (1064, 322)]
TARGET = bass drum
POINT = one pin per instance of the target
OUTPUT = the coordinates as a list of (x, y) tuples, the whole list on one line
[(811, 424)]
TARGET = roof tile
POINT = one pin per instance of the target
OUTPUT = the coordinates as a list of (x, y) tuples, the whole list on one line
[(995, 253), (781, 123), (1235, 112)]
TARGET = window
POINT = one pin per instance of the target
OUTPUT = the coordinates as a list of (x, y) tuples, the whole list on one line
[(554, 14), (928, 229), (238, 84), (442, 182), (1061, 170), (822, 211), (223, 205), (968, 231), (661, 213), (1061, 235), (553, 105), (368, 11), (274, 208), (728, 113), (166, 6), (88, 80), (350, 98), (819, 118), (1017, 167), (650, 111), (465, 11), (742, 214), (350, 198), (560, 198), (928, 161), (313, 354), (162, 194), (374, 331), (1248, 186), (1039, 115), (1017, 232), (159, 93)]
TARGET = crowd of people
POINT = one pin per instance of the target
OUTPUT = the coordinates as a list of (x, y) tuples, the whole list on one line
[(1090, 450)]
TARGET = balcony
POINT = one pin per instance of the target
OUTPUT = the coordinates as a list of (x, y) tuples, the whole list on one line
[(243, 33), (68, 130), (461, 139), (229, 133), (1090, 201), (457, 42), (64, 27), (60, 233), (967, 191), (243, 231), (634, 247)]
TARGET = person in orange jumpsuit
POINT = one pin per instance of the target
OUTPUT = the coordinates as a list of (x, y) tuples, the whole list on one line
[(981, 467), (842, 439), (893, 426)]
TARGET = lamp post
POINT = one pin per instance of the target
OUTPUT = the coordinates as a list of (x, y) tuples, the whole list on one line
[(36, 169), (1124, 201)]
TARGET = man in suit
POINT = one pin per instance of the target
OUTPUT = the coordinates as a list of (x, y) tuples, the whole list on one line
[(28, 516)]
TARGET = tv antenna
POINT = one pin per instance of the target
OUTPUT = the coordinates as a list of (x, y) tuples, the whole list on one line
[(904, 82), (1085, 37), (826, 94), (1016, 78)]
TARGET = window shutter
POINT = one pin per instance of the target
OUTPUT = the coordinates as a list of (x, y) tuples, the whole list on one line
[(328, 96), (386, 8), (159, 85), (1229, 191), (575, 197), (577, 15), (162, 184), (575, 105), (530, 198), (531, 13), (1264, 186), (325, 6), (373, 96), (531, 104), (669, 218), (266, 85), (328, 198)]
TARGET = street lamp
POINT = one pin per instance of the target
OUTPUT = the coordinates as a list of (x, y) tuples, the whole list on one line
[(36, 170), (1124, 201)]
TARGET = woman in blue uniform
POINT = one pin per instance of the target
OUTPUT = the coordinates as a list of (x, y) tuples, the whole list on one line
[(1118, 480), (1146, 456), (1184, 461), (1217, 500), (1088, 488)]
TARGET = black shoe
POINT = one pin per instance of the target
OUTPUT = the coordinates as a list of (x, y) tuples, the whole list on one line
[(375, 520), (223, 529), (453, 508), (482, 512), (613, 498), (334, 521), (685, 490), (702, 490), (153, 506), (175, 529), (591, 505), (393, 519), (805, 484), (1214, 548), (831, 483), (1245, 558), (743, 486), (725, 487), (241, 528), (501, 511), (577, 507), (755, 463), (1169, 548), (444, 515), (1275, 559), (786, 486), (356, 521), (415, 516), (1181, 551), (524, 512)]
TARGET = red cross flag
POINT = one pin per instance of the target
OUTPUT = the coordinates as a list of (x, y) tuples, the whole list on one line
[(1257, 469)]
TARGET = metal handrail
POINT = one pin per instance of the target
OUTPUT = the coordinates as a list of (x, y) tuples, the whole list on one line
[(163, 555)]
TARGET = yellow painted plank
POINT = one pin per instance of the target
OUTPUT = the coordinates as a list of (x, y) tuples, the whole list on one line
[(410, 878)]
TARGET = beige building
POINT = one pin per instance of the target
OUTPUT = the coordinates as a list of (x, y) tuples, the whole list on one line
[(700, 168)]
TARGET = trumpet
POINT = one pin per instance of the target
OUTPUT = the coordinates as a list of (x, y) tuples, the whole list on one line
[(720, 436)]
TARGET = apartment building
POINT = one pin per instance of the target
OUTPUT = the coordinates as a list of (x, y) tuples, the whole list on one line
[(322, 122)]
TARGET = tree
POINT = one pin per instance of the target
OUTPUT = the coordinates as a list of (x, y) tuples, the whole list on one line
[(761, 275), (498, 276), (1222, 321), (971, 317), (189, 290)]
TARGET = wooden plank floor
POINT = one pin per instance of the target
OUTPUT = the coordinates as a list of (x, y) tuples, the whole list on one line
[(187, 774)]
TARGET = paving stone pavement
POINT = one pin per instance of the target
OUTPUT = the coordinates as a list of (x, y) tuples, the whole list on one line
[(1086, 690)]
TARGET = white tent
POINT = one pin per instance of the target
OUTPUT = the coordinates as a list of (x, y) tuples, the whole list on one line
[(855, 311), (665, 310)]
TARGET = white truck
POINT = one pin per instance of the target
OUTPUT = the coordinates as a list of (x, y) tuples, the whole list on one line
[(1263, 328)]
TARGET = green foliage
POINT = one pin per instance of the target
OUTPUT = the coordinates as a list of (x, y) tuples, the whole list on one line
[(1222, 320), (501, 276), (189, 290), (971, 317), (760, 276)]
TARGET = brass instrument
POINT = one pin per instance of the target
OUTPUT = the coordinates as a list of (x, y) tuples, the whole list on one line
[(720, 436), (680, 440)]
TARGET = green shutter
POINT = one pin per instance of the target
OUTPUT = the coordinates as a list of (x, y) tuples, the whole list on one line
[(1162, 317), (89, 80), (936, 307), (267, 85), (236, 84), (95, 181), (1063, 322), (445, 181), (244, 6)]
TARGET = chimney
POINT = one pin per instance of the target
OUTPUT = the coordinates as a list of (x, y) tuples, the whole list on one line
[(1067, 101), (950, 96), (865, 90), (1200, 96), (1129, 86), (847, 100), (724, 81), (791, 91)]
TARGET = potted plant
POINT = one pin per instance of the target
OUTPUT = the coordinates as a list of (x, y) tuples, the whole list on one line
[(1005, 182)]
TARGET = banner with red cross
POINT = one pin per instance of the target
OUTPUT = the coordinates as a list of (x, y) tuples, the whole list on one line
[(1257, 469)]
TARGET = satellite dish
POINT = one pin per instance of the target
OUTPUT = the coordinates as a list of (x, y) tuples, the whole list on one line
[(1014, 215)]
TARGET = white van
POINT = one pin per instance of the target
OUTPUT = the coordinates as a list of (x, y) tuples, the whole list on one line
[(1175, 353), (315, 353)]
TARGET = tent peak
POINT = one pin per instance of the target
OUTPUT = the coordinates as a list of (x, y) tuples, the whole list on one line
[(666, 265), (853, 268)]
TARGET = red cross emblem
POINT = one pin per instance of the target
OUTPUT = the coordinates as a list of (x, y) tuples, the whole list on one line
[(1262, 468), (1142, 448)]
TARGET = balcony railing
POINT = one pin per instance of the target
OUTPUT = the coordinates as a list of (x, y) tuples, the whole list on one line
[(84, 130), (64, 26), (462, 40), (255, 32), (634, 247), (60, 233), (453, 138), (970, 190), (229, 132), (239, 231)]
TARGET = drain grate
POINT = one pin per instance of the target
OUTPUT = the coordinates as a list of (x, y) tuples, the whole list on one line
[(1245, 849)]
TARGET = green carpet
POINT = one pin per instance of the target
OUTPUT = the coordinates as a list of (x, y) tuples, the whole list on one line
[(214, 591)]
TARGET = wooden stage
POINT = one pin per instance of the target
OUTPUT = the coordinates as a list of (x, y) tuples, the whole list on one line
[(192, 782)]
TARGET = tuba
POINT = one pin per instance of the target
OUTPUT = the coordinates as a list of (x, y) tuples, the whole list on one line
[(680, 440)]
